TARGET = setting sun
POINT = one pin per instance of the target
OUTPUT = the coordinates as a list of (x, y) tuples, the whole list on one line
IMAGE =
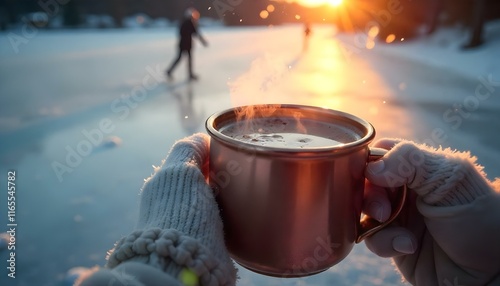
[(313, 3)]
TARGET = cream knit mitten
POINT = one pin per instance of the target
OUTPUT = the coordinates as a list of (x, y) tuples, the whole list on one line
[(448, 232), (440, 177), (179, 230)]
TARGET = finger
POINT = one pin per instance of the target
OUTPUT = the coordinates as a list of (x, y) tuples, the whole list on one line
[(392, 241), (397, 167), (376, 203), (387, 143)]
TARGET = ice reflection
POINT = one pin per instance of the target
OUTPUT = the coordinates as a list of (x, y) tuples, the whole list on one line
[(191, 116), (354, 86)]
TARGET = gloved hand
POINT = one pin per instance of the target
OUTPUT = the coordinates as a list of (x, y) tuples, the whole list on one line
[(179, 232), (449, 231)]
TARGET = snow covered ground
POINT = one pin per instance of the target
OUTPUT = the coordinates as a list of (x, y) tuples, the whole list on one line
[(85, 114)]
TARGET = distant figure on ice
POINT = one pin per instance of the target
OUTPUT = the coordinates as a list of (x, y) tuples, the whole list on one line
[(307, 33), (187, 29)]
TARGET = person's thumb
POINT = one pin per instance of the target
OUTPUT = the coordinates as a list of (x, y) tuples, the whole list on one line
[(398, 167)]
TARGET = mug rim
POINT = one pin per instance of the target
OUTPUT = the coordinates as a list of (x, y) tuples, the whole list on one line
[(365, 139)]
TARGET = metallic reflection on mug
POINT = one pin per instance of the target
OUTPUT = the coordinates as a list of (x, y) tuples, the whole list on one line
[(289, 182)]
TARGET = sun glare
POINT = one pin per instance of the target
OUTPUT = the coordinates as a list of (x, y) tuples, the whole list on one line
[(335, 3), (314, 3)]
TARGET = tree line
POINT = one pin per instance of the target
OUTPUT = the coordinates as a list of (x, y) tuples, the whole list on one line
[(359, 13)]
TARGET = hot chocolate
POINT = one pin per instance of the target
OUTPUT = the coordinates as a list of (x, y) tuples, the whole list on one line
[(290, 133)]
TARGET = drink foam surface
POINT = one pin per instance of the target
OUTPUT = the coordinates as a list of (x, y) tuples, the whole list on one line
[(291, 133), (287, 140)]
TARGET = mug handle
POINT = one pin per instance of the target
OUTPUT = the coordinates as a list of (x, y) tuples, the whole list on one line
[(369, 226)]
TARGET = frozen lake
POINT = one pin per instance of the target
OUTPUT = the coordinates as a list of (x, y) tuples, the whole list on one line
[(98, 103)]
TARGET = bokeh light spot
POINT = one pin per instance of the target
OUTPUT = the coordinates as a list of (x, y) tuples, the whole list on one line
[(390, 38), (370, 44), (373, 32), (264, 14)]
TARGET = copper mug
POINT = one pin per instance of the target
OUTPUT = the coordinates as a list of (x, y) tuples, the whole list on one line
[(292, 211)]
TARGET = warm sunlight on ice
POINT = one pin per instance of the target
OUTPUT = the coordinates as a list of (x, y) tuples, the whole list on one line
[(322, 75)]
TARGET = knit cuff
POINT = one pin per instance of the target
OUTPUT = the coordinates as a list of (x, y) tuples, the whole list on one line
[(449, 178), (158, 248)]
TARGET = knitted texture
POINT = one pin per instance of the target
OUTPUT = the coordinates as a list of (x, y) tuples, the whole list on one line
[(453, 226), (441, 177), (179, 224), (160, 248)]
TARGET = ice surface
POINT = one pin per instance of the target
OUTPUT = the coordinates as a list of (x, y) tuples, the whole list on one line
[(64, 94)]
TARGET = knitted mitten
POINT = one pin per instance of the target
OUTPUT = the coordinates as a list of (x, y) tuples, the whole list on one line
[(448, 231), (441, 177), (179, 229)]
